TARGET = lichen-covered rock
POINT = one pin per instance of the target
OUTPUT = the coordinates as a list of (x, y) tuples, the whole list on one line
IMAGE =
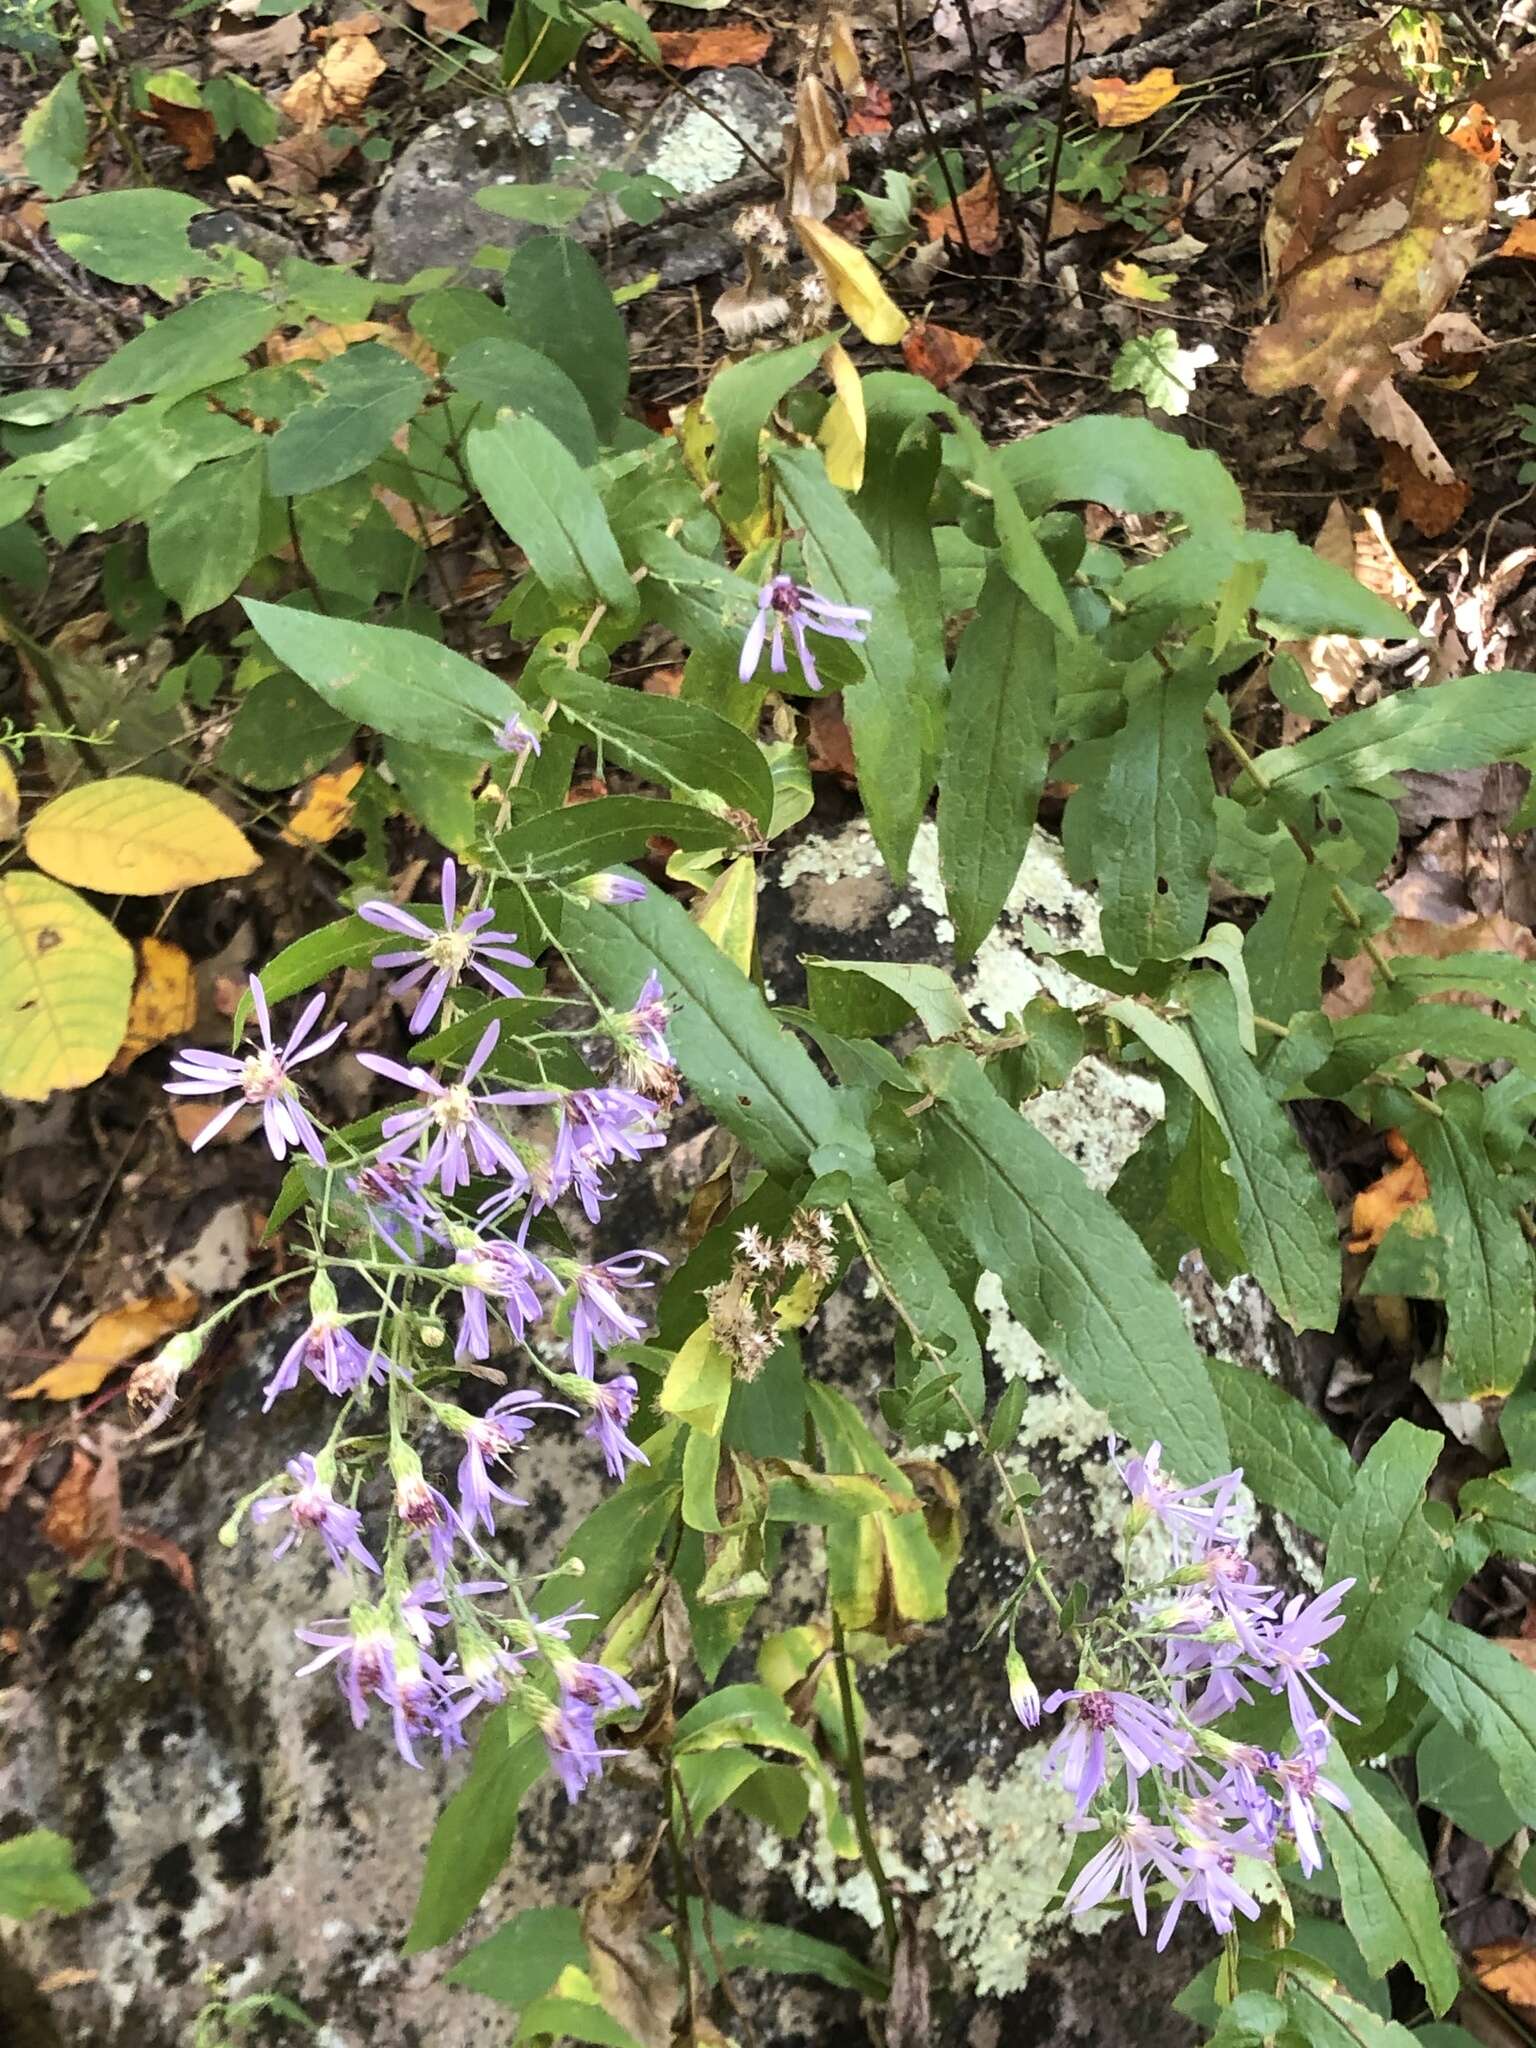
[(227, 1814), (427, 212)]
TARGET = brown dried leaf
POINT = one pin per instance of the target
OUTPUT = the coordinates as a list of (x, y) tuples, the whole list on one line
[(1369, 80), (870, 113), (977, 209), (191, 1119), (1508, 1968), (697, 49), (1427, 939), (939, 353), (261, 49), (1068, 218), (1509, 95), (1120, 103), (818, 156), (843, 53), (164, 1001), (190, 128), (446, 17), (1391, 418), (337, 88), (150, 1543), (1520, 241), (1334, 663), (1401, 1187), (636, 1982), (1096, 32), (82, 1511), (1430, 508), (122, 1333)]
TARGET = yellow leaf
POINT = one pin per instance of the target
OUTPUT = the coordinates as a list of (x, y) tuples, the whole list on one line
[(164, 1000), (114, 1338), (10, 799), (326, 810), (845, 430), (1117, 104), (137, 836), (728, 914), (65, 981), (1131, 281), (337, 87), (698, 1383), (854, 282)]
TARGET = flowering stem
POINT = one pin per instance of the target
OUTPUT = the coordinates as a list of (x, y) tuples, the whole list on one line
[(857, 1795)]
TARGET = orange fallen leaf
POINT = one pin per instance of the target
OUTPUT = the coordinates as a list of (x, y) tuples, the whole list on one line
[(1476, 134), (318, 340), (193, 1118), (327, 807), (1430, 508), (1118, 103), (337, 87), (829, 747), (976, 209), (82, 1511), (190, 128), (1399, 1188), (150, 1543), (869, 113), (446, 17), (1068, 218), (695, 49), (1520, 241), (939, 353), (1522, 1648), (122, 1333), (1508, 1968), (164, 1001), (362, 23)]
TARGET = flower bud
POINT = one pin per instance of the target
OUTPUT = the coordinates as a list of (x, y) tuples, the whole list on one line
[(1022, 1689), (609, 889), (322, 1295)]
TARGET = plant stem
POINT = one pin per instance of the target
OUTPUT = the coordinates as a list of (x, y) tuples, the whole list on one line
[(920, 110), (857, 1793), (1063, 108)]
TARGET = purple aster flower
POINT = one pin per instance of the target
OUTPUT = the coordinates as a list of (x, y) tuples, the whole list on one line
[(571, 1739), (610, 889), (421, 1704), (488, 1440), (1144, 1735), (440, 958), (1209, 1856), (461, 1136), (1301, 1784), (398, 1210), (1193, 1515), (613, 1404), (598, 1126), (263, 1079), (517, 738), (329, 1351), (314, 1506), (500, 1271), (1292, 1652), (1137, 1849), (363, 1650), (593, 1686), (640, 1036), (598, 1318), (432, 1516), (484, 1668), (785, 603)]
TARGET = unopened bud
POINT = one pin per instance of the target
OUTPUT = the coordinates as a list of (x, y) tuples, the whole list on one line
[(1022, 1689), (322, 1295), (432, 1336), (610, 889)]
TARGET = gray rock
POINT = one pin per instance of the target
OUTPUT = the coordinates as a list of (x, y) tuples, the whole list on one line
[(553, 134), (227, 1814)]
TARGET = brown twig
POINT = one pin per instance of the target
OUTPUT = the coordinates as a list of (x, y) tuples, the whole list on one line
[(920, 110), (1063, 108), (979, 101)]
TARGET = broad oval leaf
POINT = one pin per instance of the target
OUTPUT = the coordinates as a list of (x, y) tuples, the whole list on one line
[(137, 836), (66, 981)]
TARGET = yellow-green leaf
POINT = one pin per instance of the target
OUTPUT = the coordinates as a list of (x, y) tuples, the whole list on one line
[(844, 432), (728, 913), (854, 282), (10, 799), (137, 836), (698, 1383), (65, 983)]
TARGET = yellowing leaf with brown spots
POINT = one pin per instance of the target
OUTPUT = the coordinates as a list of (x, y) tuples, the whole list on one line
[(65, 982), (137, 836), (122, 1333), (164, 1000), (327, 808), (1118, 104), (854, 282), (318, 340)]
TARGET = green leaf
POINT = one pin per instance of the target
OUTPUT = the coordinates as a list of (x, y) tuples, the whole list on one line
[(37, 1875), (1457, 1782), (1160, 369), (281, 734), (547, 206), (539, 495), (1128, 464), (1324, 2016), (205, 533), (1072, 1272), (698, 1383), (919, 990), (745, 1068), (437, 789), (369, 393), (1386, 1891), (1382, 1541), (236, 104), (195, 346), (780, 1951), (699, 600), (131, 237), (349, 942), (1284, 1218), (400, 683), (1506, 1514), (1154, 828), (1019, 548), (53, 138), (893, 713), (1461, 724), (1489, 1298), (739, 401), (522, 1959), (1002, 698), (682, 745), (1289, 942), (918, 1286), (1300, 592), (901, 467), (558, 303), (506, 374), (1486, 1695), (1290, 1457), (583, 839)]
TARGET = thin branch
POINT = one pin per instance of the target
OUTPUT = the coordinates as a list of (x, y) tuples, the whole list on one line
[(1063, 108)]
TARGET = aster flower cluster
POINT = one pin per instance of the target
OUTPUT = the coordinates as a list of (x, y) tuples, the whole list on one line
[(435, 1231), (1182, 1805)]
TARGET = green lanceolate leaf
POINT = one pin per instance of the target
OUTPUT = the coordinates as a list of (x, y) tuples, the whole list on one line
[(1284, 1218), (901, 467), (1388, 1896), (914, 1279), (558, 303), (846, 997), (739, 401), (522, 1959), (1461, 724), (400, 683), (1154, 825), (699, 600), (1018, 546), (1073, 1273), (349, 942), (539, 495), (503, 373), (740, 1061), (1002, 695), (1457, 1782), (683, 745), (584, 838), (1382, 1541), (367, 395), (195, 346), (1489, 1298), (1291, 1458), (1486, 1695), (1289, 942), (893, 713), (1128, 464), (205, 533)]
